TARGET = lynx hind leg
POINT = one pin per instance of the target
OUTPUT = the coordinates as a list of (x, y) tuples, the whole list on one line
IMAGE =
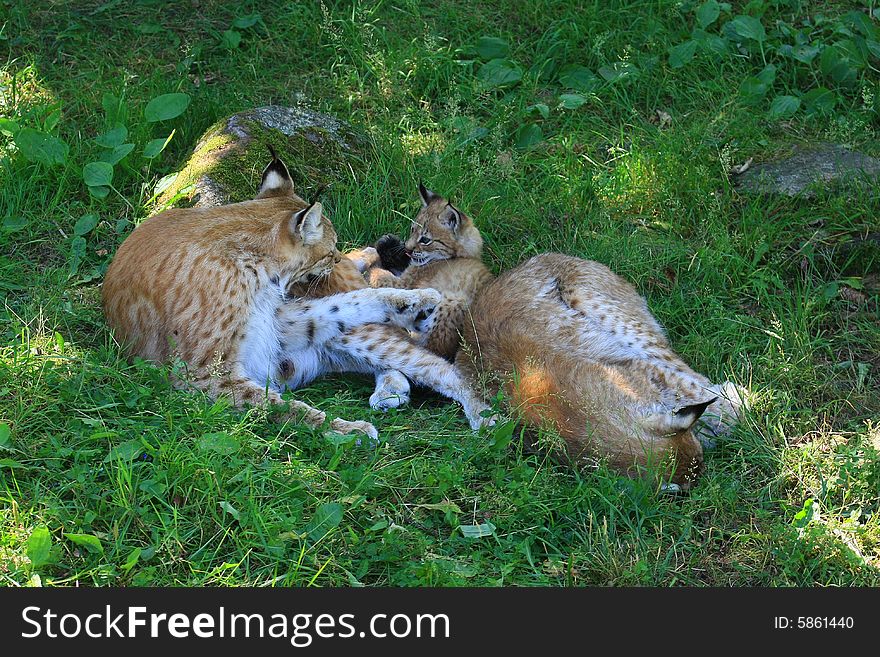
[(392, 391), (242, 391), (442, 332), (377, 347)]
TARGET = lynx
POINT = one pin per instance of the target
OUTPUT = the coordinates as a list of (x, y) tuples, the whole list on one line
[(443, 252), (575, 347), (210, 286)]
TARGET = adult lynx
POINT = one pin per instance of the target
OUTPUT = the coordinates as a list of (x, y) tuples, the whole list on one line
[(575, 347), (210, 286)]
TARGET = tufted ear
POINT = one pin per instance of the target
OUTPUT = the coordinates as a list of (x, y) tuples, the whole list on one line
[(306, 224), (427, 195), (276, 179), (451, 217), (674, 422)]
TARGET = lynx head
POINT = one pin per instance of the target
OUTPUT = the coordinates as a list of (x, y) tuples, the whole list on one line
[(442, 232), (305, 247)]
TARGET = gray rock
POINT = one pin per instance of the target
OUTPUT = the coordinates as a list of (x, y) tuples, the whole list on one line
[(226, 163), (808, 168)]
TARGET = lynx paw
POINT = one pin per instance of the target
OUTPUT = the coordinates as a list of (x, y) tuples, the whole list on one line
[(392, 391), (345, 427), (476, 419), (414, 308), (364, 258)]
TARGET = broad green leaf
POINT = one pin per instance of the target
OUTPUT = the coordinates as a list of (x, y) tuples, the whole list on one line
[(12, 465), (753, 89), (165, 107), (156, 146), (492, 48), (77, 252), (39, 546), (5, 434), (326, 518), (572, 101), (711, 42), (231, 510), (244, 22), (540, 108), (89, 541), (836, 65), (127, 451), (221, 443), (117, 154), (85, 224), (97, 174), (132, 559), (805, 53), (579, 78), (231, 39), (164, 183), (112, 138), (477, 531), (99, 192), (8, 127), (707, 13), (618, 71), (819, 101), (441, 506), (767, 74), (682, 53), (499, 73), (749, 27), (39, 147), (528, 135), (784, 106)]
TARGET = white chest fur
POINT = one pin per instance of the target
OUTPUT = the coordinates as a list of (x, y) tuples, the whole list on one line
[(259, 348)]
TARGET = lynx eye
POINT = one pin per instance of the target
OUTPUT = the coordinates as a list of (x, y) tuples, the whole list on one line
[(424, 239)]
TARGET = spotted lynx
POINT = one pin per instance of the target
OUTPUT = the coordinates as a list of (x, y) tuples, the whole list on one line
[(575, 347), (210, 286)]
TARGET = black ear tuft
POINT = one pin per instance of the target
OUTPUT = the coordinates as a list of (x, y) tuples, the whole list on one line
[(276, 179), (392, 254), (693, 412), (316, 196), (426, 194)]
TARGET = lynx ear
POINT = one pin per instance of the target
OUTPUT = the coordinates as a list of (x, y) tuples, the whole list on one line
[(451, 217), (427, 195), (306, 224), (682, 419), (276, 179)]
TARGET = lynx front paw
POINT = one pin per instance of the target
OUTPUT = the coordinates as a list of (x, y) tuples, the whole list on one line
[(364, 258), (392, 391), (414, 308), (345, 427)]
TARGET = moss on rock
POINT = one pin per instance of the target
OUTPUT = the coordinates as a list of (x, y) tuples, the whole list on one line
[(227, 162)]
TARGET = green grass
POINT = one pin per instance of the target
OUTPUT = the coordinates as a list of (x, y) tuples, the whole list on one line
[(778, 294)]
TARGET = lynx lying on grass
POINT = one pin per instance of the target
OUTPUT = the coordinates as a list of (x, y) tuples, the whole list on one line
[(210, 286), (575, 346)]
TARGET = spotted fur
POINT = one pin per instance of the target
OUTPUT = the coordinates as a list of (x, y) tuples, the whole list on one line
[(574, 345)]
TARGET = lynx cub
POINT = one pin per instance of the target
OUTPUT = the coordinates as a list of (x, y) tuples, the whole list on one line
[(575, 346), (443, 252), (210, 286)]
